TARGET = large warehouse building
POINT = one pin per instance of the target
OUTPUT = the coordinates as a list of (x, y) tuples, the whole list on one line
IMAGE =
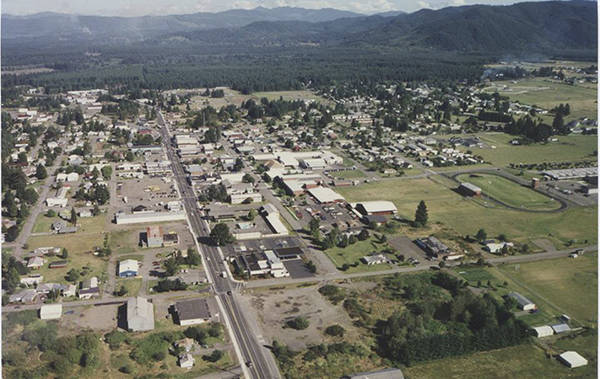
[(140, 218), (376, 208), (325, 195)]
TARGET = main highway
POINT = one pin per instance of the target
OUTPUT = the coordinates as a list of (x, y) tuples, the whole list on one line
[(256, 360)]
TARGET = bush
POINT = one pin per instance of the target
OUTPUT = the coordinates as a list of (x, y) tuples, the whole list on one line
[(197, 333), (335, 330), (214, 356), (114, 339), (299, 323)]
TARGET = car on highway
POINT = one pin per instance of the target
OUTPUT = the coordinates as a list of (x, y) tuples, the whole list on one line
[(249, 364)]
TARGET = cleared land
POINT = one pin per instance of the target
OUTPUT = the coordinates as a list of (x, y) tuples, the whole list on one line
[(466, 216), (509, 192), (566, 149)]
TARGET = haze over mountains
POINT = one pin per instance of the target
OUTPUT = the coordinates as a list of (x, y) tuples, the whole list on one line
[(534, 26)]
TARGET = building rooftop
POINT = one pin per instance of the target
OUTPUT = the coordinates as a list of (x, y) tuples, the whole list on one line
[(193, 309)]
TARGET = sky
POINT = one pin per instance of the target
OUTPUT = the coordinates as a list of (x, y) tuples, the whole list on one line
[(164, 7)]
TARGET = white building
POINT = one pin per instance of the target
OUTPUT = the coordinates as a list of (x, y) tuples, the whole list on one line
[(543, 331), (325, 195), (50, 311), (140, 314), (140, 218), (572, 359)]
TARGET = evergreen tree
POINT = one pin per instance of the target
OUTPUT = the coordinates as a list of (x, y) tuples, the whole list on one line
[(421, 215), (73, 216)]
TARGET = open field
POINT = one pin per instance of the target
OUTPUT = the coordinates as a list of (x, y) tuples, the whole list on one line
[(509, 192), (289, 95), (566, 149), (522, 361), (466, 216), (348, 174), (570, 283), (548, 93), (236, 97), (133, 285)]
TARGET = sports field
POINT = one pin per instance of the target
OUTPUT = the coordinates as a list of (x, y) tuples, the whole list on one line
[(466, 216), (509, 192)]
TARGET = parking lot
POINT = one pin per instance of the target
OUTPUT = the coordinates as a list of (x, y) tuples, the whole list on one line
[(152, 193)]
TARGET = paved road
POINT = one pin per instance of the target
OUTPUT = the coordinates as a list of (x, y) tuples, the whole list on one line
[(421, 267), (262, 363), (35, 210)]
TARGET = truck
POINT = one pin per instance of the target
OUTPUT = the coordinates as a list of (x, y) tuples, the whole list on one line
[(224, 274)]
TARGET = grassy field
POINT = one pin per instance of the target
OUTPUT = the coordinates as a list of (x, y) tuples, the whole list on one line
[(96, 267), (522, 361), (509, 192), (348, 174), (353, 253), (567, 149), (289, 95), (43, 223), (548, 93), (572, 284), (133, 285), (466, 216)]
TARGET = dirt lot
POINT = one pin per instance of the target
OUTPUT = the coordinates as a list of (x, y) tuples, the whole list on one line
[(275, 307), (100, 318)]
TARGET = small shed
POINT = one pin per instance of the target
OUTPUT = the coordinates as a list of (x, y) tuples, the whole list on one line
[(560, 328), (543, 331), (50, 311), (572, 359), (524, 303)]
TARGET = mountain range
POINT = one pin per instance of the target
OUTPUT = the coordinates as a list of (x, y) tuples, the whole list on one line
[(522, 27)]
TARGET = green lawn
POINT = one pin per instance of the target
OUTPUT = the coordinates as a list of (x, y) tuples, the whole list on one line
[(566, 149), (572, 284), (547, 93), (466, 216), (353, 253), (348, 174), (290, 95), (43, 224), (133, 285), (97, 267), (509, 192)]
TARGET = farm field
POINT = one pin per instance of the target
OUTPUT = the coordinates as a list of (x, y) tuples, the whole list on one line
[(466, 216), (547, 93), (566, 149), (509, 192)]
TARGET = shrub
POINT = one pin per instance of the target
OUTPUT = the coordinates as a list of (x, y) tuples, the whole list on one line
[(335, 330)]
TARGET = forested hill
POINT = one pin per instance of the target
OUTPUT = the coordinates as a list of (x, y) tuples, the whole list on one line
[(127, 29), (538, 26)]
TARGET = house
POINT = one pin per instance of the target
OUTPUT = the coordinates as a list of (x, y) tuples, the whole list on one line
[(35, 263), (190, 312), (58, 264), (186, 361), (89, 288), (170, 239), (69, 290), (128, 268), (572, 359), (496, 247), (154, 237), (468, 189), (32, 280), (51, 311), (140, 314), (375, 259), (543, 331), (376, 208), (523, 302)]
